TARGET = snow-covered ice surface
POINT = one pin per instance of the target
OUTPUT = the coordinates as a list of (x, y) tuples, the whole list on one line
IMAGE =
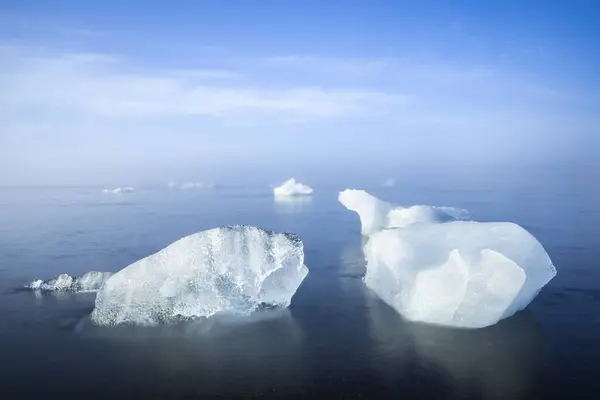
[(236, 269), (89, 282), (292, 188), (127, 189), (376, 214), (433, 268)]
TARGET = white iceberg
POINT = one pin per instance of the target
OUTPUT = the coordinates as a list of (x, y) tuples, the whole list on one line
[(434, 269), (292, 188), (376, 214), (190, 185), (237, 269), (193, 185), (89, 282), (119, 190)]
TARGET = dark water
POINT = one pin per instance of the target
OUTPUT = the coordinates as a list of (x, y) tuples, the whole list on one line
[(336, 339)]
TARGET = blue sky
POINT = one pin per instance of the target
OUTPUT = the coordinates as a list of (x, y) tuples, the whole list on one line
[(125, 92)]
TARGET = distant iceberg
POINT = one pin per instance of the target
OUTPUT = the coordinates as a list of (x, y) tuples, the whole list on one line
[(237, 269), (119, 190), (292, 188), (195, 185), (190, 185), (89, 282), (432, 267)]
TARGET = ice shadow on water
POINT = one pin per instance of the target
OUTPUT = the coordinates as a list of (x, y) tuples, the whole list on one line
[(223, 354), (292, 204), (503, 361)]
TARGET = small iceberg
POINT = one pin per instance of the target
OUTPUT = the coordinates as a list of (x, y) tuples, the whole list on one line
[(119, 190), (89, 282), (292, 188), (235, 270), (190, 185), (433, 267)]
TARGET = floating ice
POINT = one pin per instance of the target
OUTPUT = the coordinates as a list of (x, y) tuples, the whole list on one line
[(292, 188), (195, 185), (119, 190), (376, 214), (235, 269), (190, 185), (88, 282), (458, 273)]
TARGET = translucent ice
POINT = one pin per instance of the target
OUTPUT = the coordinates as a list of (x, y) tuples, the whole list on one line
[(119, 190), (235, 269), (376, 214), (88, 282), (458, 273), (292, 188)]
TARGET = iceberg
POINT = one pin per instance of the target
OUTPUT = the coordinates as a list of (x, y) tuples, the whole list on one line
[(235, 269), (376, 214), (190, 185), (89, 282), (119, 190), (194, 185), (432, 267), (292, 188)]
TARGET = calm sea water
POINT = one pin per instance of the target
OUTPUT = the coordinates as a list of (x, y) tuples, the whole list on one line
[(336, 338)]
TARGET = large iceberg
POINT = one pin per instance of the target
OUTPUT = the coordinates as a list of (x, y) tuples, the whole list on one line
[(236, 269), (433, 268), (292, 188), (89, 282)]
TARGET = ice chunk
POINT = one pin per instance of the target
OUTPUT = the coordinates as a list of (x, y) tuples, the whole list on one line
[(192, 185), (235, 269), (376, 214), (88, 282), (458, 273), (119, 190), (292, 188)]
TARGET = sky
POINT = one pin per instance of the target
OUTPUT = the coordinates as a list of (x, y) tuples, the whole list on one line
[(135, 92)]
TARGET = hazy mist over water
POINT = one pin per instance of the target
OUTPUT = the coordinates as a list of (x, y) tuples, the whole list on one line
[(337, 337)]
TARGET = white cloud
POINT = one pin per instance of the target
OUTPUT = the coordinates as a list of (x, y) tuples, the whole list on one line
[(101, 85), (390, 67), (346, 67)]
